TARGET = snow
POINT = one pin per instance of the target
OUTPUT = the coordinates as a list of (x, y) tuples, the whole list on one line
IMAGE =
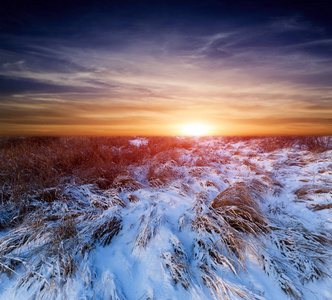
[(139, 263), (139, 142)]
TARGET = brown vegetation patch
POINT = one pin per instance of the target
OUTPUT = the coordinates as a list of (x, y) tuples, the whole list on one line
[(237, 194), (158, 183), (240, 209), (103, 183), (326, 169), (310, 143), (49, 195), (182, 188), (114, 198), (104, 232), (321, 206), (235, 220), (210, 183), (252, 166), (309, 189), (197, 171), (133, 198), (161, 175), (126, 182)]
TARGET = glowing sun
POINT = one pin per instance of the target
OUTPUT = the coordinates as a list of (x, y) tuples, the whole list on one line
[(195, 129)]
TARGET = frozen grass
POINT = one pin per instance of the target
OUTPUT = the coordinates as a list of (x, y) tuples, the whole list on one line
[(182, 216)]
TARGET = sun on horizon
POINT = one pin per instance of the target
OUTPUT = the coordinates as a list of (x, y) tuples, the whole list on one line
[(195, 129)]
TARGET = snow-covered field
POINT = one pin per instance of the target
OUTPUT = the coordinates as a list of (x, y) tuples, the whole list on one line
[(219, 220)]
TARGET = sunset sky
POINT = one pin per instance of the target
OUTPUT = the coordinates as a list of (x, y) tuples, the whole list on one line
[(153, 67)]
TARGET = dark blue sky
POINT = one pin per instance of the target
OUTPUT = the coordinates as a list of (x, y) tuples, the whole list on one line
[(146, 67)]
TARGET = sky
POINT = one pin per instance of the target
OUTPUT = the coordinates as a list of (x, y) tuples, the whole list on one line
[(153, 67)]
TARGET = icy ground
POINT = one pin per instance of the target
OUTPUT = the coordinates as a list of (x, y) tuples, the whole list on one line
[(154, 234)]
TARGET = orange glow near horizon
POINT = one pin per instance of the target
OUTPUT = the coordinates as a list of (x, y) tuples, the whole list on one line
[(171, 128)]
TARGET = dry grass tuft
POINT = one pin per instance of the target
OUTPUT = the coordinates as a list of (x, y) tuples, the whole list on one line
[(49, 253), (114, 198), (103, 232), (133, 198), (237, 206), (177, 263), (321, 206), (126, 183), (301, 256), (230, 227), (182, 188), (197, 171), (221, 289), (229, 230), (212, 256), (310, 143), (161, 175), (309, 189), (42, 164), (46, 249), (149, 224)]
